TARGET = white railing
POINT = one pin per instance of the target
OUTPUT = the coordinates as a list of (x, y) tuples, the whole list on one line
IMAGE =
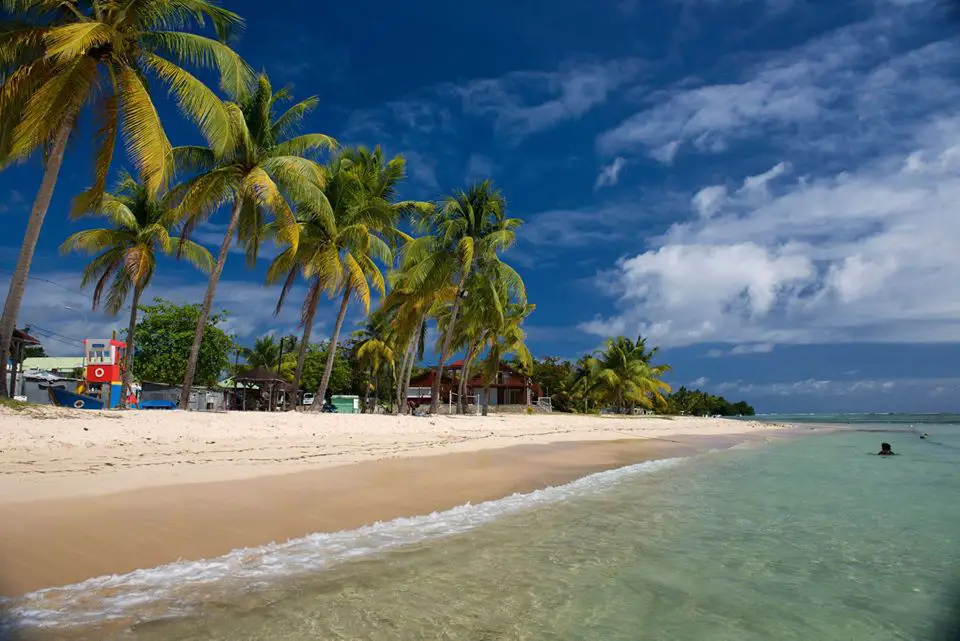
[(545, 404)]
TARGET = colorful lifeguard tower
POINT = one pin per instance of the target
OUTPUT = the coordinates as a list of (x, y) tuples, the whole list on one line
[(103, 360), (102, 384)]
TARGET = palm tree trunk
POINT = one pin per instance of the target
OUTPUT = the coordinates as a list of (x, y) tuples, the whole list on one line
[(486, 398), (128, 357), (465, 385), (413, 359), (445, 352), (407, 355), (366, 397), (409, 373), (305, 340), (18, 282), (208, 303), (331, 353)]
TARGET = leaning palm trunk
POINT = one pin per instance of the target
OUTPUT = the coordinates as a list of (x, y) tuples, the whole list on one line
[(331, 353), (464, 398), (407, 355), (207, 304), (313, 298), (128, 357), (445, 352), (412, 362), (18, 282)]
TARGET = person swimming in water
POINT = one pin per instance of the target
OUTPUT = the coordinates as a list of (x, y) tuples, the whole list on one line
[(885, 450)]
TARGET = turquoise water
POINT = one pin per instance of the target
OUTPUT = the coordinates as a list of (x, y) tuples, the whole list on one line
[(812, 538)]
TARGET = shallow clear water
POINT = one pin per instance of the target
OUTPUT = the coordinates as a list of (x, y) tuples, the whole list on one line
[(813, 538)]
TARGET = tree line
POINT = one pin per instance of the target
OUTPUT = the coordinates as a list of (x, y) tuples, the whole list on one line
[(600, 382)]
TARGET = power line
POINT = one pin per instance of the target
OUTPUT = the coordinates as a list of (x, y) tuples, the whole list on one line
[(56, 284)]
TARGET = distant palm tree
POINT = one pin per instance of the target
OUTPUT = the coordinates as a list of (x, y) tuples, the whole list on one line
[(622, 375), (257, 172), (471, 229), (57, 56), (126, 252), (506, 339), (374, 351), (342, 254), (266, 352)]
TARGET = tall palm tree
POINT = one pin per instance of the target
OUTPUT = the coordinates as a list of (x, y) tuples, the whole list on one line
[(127, 252), (470, 230), (339, 254), (58, 55), (258, 171), (621, 374)]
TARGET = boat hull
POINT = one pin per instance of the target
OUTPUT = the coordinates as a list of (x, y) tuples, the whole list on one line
[(64, 398)]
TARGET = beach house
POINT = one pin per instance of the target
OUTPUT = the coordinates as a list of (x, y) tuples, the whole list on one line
[(510, 388)]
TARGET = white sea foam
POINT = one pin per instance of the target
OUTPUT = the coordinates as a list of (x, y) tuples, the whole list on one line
[(173, 589)]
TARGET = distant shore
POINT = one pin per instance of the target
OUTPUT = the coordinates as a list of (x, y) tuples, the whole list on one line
[(87, 494)]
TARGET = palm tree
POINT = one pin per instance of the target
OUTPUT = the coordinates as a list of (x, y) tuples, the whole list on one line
[(339, 254), (272, 354), (621, 374), (506, 339), (58, 55), (469, 231), (127, 252), (257, 172), (408, 312), (374, 351)]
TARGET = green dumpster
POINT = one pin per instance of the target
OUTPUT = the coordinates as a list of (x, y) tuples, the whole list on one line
[(346, 404)]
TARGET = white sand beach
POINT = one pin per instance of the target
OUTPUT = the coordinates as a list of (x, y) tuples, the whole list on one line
[(57, 453)]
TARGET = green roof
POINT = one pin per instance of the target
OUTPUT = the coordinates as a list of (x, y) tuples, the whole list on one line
[(50, 363)]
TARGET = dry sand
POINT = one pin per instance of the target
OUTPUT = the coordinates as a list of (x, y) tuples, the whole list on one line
[(87, 493), (57, 453)]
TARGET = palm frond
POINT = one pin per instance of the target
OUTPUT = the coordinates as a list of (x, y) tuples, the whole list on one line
[(197, 101), (236, 76), (144, 137)]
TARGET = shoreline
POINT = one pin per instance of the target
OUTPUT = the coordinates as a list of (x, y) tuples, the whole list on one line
[(149, 527), (93, 495)]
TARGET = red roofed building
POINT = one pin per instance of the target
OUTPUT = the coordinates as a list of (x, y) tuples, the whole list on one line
[(509, 388)]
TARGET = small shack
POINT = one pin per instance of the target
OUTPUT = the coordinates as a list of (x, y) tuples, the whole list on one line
[(270, 385), (20, 340)]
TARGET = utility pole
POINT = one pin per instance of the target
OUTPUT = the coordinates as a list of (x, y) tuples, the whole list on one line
[(236, 373)]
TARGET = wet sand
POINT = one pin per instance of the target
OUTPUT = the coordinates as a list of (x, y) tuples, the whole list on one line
[(54, 542)]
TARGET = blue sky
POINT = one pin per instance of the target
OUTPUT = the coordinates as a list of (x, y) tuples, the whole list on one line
[(766, 188)]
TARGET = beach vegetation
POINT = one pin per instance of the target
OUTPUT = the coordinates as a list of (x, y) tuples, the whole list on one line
[(277, 355), (467, 233), (426, 275), (59, 59), (697, 403), (260, 172), (341, 375), (165, 335), (125, 254)]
